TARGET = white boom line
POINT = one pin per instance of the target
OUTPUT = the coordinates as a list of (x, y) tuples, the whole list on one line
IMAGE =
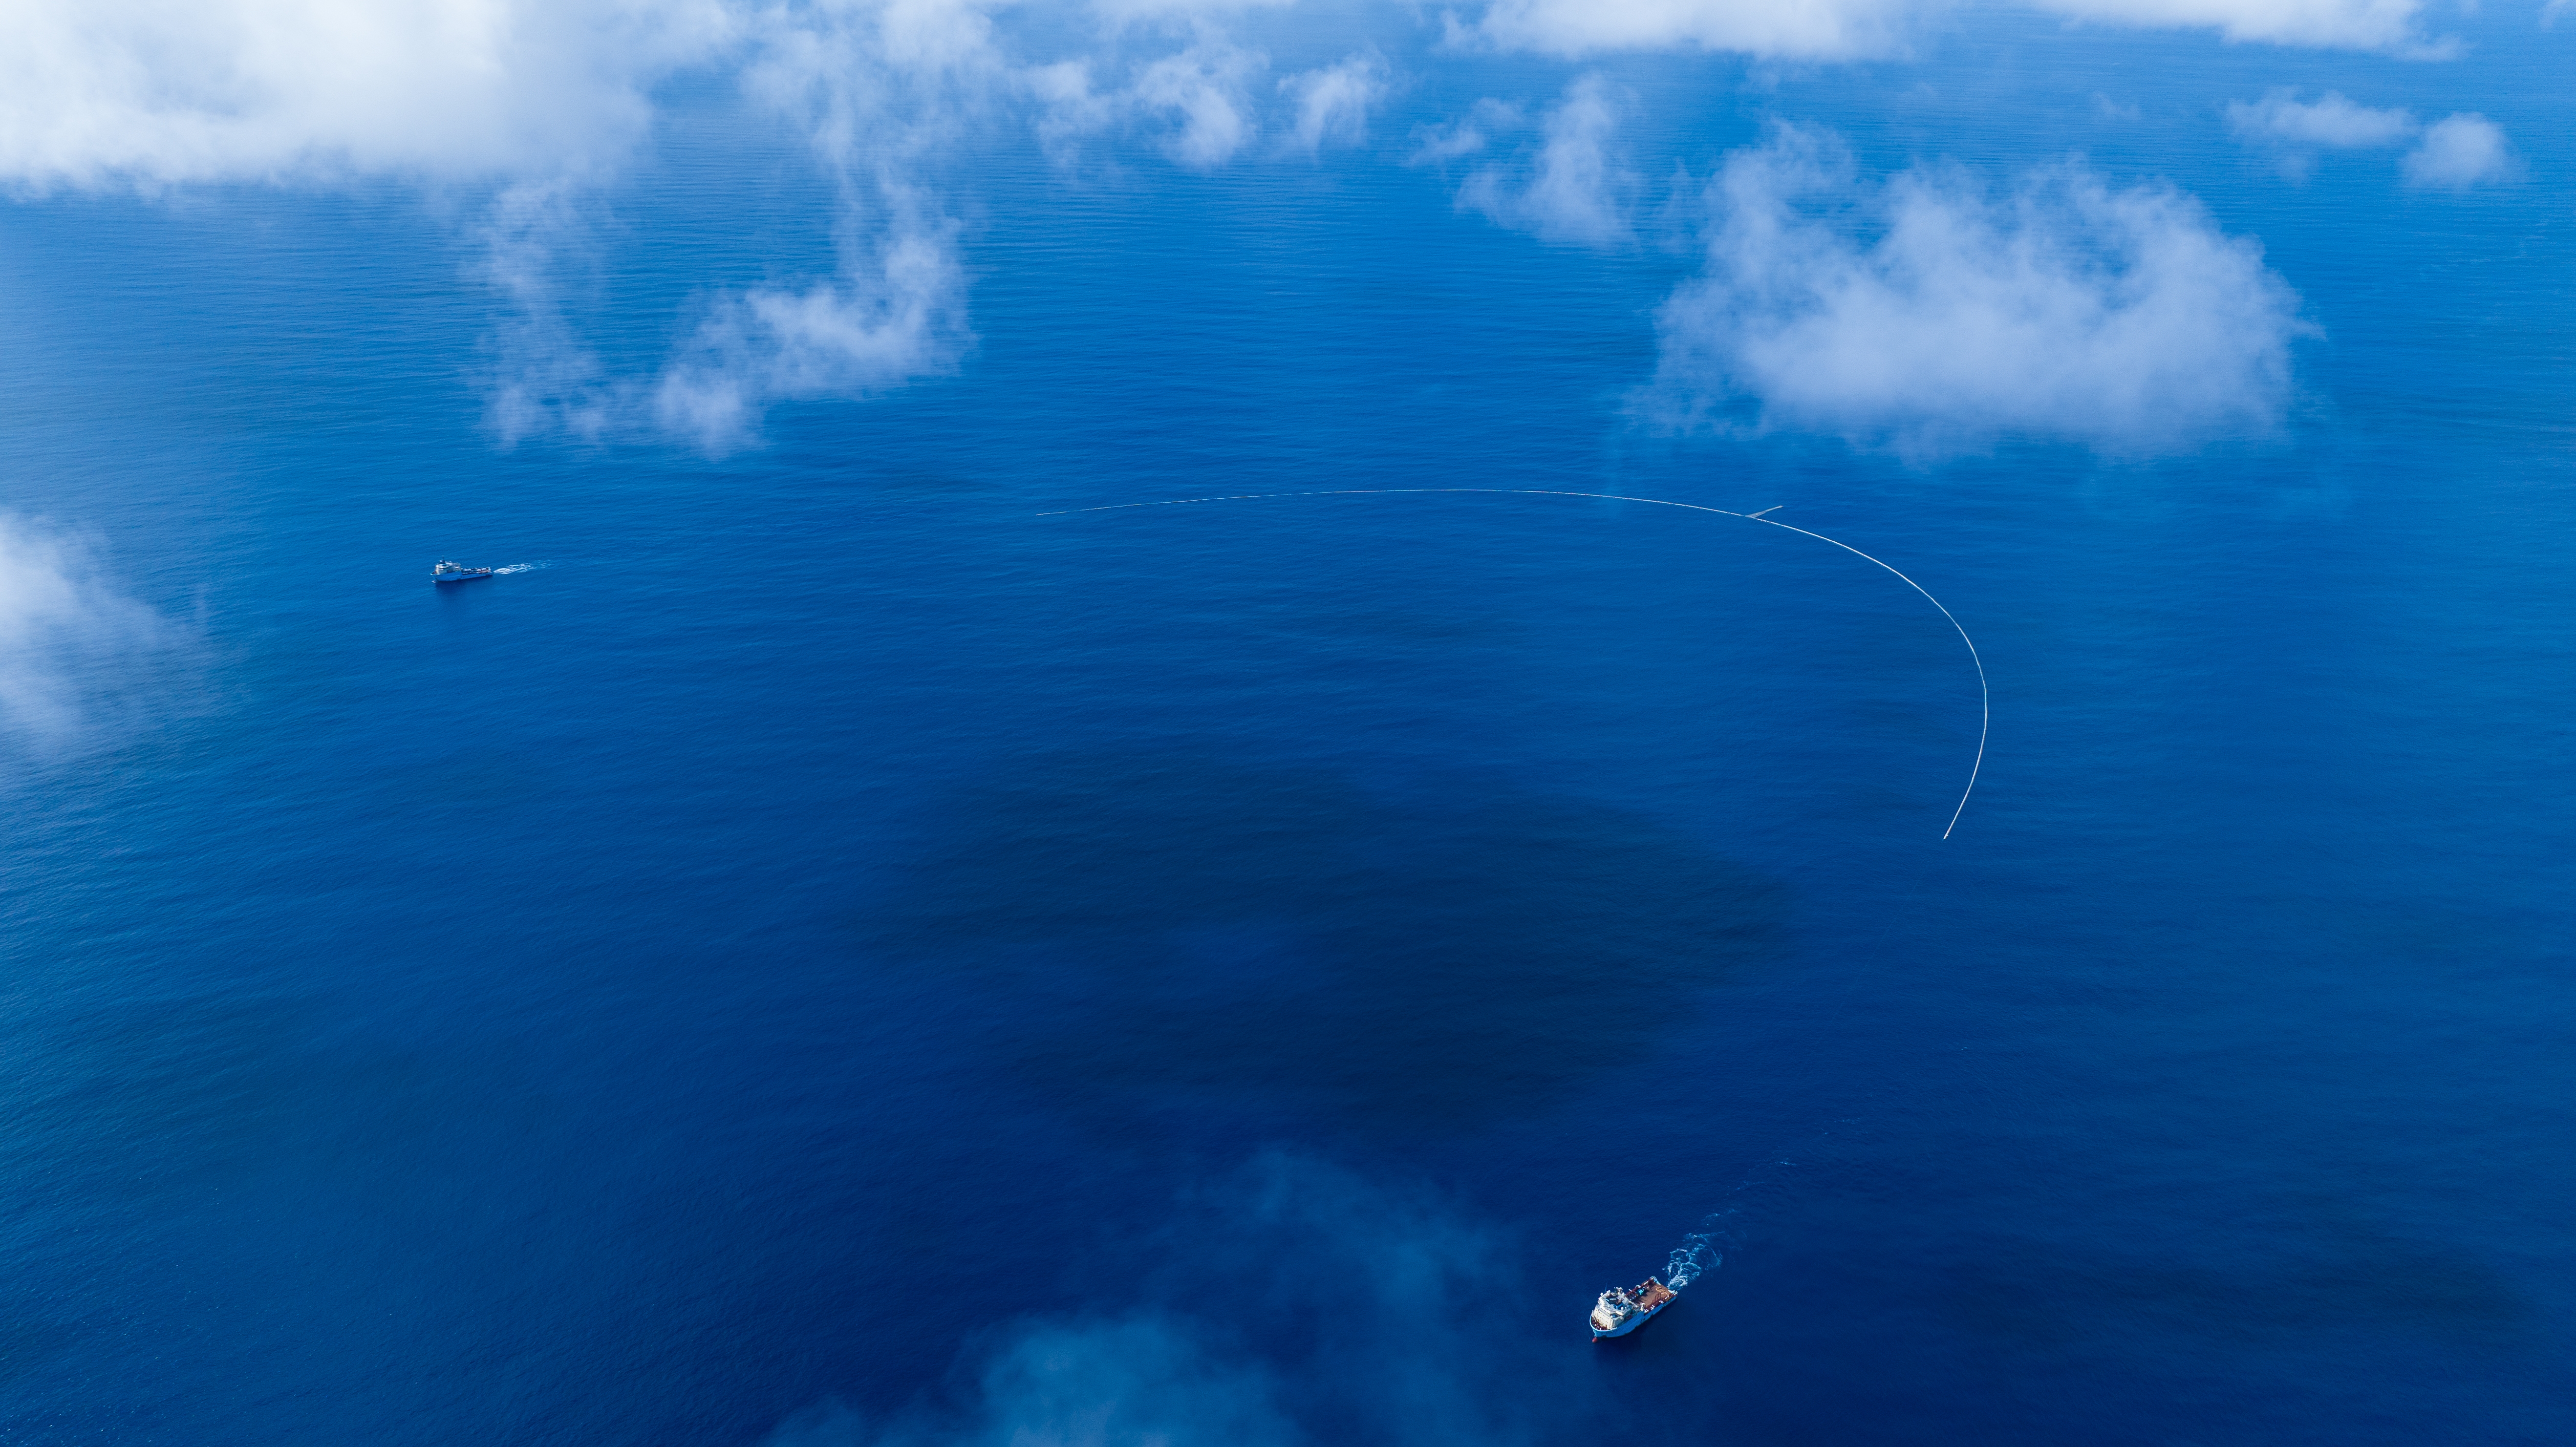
[(1985, 697)]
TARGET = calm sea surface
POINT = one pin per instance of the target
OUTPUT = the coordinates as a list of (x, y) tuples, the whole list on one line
[(827, 943)]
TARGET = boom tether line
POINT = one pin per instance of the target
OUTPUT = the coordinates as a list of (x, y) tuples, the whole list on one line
[(1985, 698)]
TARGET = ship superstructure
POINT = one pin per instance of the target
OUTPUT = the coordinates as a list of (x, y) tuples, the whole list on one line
[(1622, 1310)]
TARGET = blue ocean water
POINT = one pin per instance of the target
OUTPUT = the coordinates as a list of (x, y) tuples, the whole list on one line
[(839, 944)]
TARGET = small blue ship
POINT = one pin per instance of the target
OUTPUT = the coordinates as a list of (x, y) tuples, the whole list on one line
[(447, 572)]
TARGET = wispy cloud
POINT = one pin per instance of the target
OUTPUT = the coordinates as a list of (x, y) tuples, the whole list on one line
[(1333, 102), (1932, 316), (1184, 85), (73, 647), (2330, 120), (877, 93), (1330, 1272), (546, 379), (1574, 189), (1818, 29), (549, 104), (131, 92), (1202, 95), (2459, 152), (2456, 153), (1140, 1380), (1468, 135), (894, 312), (545, 106), (2381, 25), (2294, 131), (1850, 29)]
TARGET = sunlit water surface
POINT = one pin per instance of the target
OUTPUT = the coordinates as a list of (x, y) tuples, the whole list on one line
[(831, 935)]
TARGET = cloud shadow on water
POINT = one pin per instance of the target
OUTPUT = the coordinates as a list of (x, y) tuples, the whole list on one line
[(1148, 934)]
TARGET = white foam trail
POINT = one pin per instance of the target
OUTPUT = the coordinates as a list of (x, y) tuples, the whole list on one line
[(1697, 1255), (1704, 1250), (520, 568), (1985, 698)]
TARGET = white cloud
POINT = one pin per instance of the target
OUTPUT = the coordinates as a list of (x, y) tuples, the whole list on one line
[(542, 104), (2294, 131), (1126, 12), (878, 89), (2386, 25), (1823, 29), (546, 101), (1325, 1271), (1069, 109), (107, 92), (1202, 92), (1844, 29), (1436, 144), (546, 380), (1333, 102), (71, 645), (875, 90), (2332, 120), (2455, 153), (895, 312), (1928, 315), (1194, 101), (1574, 190), (2459, 152), (1145, 1381)]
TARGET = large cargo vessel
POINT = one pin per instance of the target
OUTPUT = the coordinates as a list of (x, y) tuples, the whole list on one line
[(1622, 1310)]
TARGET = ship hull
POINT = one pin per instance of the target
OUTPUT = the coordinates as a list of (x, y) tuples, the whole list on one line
[(459, 577), (1631, 1324)]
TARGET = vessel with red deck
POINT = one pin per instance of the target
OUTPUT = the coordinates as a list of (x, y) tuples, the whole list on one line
[(1622, 1310)]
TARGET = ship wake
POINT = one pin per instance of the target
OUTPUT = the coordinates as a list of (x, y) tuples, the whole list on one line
[(1700, 1253)]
